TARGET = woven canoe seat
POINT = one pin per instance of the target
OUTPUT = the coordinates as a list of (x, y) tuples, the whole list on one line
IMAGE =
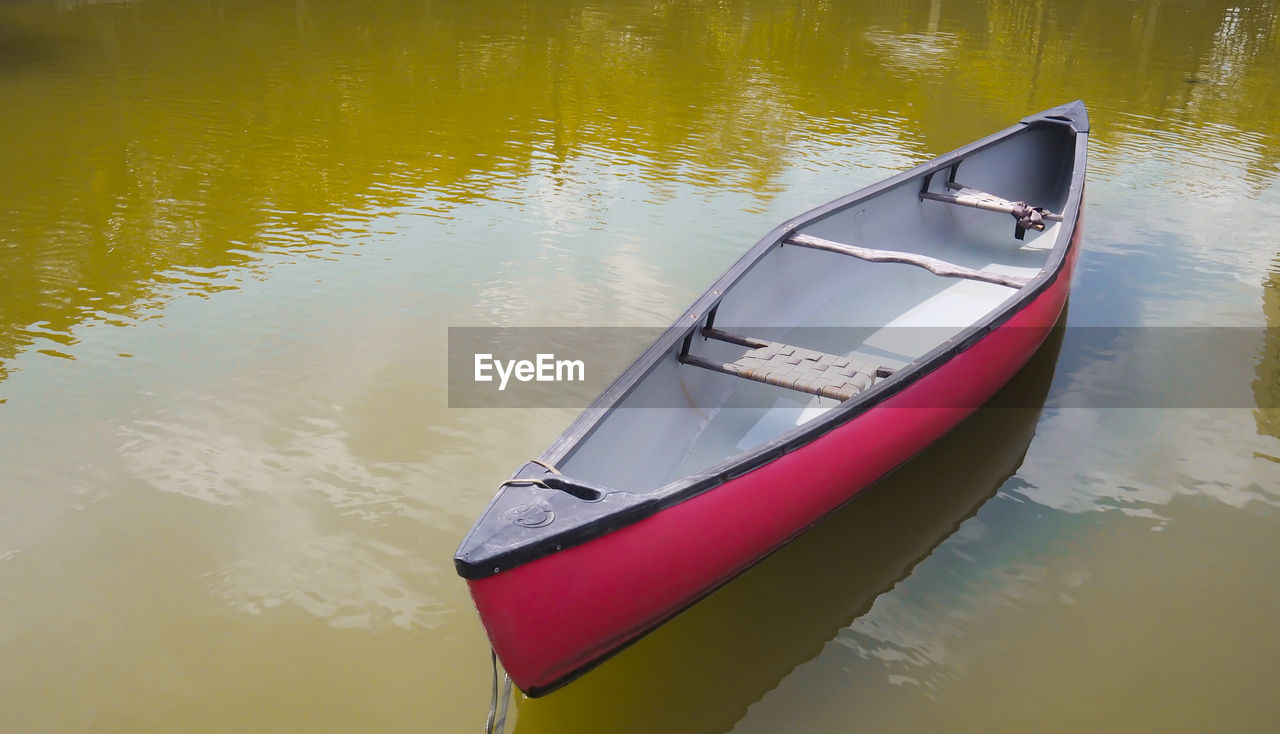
[(792, 367)]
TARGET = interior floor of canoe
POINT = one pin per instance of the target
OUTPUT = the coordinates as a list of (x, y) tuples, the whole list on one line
[(682, 418), (883, 314), (755, 416)]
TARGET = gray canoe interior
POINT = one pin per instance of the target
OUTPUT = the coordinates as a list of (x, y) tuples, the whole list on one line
[(888, 314)]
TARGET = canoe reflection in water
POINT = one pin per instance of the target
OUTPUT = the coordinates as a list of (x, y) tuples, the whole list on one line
[(700, 671)]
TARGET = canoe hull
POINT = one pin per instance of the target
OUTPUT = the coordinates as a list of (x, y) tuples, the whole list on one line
[(555, 617)]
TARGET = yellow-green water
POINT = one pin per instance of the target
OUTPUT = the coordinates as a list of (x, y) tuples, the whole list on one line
[(232, 235)]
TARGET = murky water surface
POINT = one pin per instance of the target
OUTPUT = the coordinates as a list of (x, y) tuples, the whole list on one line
[(232, 235)]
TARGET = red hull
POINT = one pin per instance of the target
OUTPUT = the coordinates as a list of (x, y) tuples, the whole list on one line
[(556, 616)]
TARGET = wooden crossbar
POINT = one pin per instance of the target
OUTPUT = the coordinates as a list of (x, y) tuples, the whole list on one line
[(1028, 217), (932, 264)]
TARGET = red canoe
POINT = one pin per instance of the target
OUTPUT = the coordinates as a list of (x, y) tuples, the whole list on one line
[(841, 345)]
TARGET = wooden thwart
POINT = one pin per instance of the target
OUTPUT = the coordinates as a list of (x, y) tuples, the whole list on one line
[(1026, 216), (971, 197), (795, 368), (932, 264)]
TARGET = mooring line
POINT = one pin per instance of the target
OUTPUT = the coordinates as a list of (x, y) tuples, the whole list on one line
[(496, 725)]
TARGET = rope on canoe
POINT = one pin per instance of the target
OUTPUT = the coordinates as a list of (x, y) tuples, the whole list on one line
[(524, 483), (545, 465), (532, 482), (496, 722)]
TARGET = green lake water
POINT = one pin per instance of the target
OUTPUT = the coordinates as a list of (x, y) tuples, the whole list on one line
[(233, 234)]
